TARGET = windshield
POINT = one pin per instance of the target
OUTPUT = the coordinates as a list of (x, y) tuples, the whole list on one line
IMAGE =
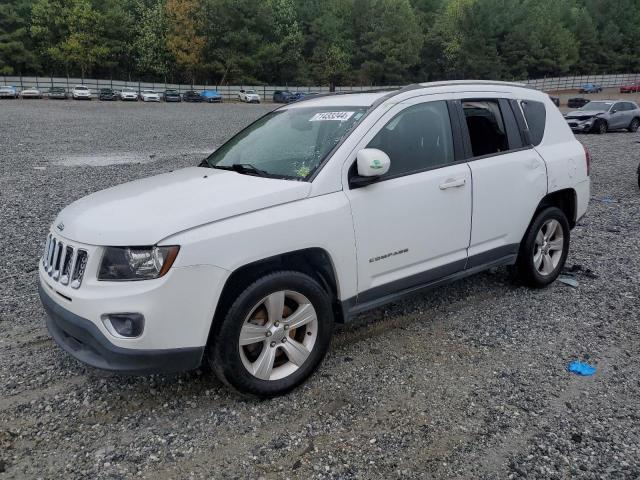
[(82, 88), (597, 106), (288, 143), (128, 89)]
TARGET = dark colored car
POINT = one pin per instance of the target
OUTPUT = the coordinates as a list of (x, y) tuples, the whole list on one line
[(107, 94), (283, 96), (172, 95), (577, 102), (590, 88), (58, 93), (631, 88), (192, 96), (303, 95)]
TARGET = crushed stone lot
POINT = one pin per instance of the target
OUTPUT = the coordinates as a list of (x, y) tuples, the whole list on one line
[(465, 381)]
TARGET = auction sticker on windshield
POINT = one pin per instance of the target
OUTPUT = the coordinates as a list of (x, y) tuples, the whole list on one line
[(325, 116)]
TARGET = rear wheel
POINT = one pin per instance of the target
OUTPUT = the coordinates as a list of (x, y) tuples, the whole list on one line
[(544, 249), (274, 335), (633, 126)]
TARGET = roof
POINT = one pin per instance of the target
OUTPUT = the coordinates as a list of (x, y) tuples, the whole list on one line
[(370, 98)]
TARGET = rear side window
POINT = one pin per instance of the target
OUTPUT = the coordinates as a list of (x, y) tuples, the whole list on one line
[(536, 115), (486, 127), (418, 138)]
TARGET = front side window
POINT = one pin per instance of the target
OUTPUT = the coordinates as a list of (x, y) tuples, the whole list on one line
[(486, 127), (418, 138), (290, 143)]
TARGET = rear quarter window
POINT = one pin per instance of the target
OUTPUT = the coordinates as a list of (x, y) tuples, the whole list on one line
[(536, 115)]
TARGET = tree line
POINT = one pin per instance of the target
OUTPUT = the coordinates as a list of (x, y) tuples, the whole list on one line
[(364, 42)]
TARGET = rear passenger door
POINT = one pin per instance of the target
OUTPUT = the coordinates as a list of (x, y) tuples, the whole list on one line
[(509, 177)]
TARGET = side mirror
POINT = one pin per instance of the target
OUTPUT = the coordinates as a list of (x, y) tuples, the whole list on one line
[(614, 111), (371, 164)]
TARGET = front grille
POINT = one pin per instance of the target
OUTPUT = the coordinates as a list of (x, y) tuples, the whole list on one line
[(64, 263)]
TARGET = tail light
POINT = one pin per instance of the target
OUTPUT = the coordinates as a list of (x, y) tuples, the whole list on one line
[(587, 159)]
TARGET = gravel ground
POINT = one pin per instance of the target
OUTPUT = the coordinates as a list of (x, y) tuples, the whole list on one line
[(466, 381)]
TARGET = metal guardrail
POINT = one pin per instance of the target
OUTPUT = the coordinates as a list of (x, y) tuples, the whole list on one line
[(229, 92)]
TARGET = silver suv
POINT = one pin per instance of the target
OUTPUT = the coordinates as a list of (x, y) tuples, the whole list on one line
[(603, 115)]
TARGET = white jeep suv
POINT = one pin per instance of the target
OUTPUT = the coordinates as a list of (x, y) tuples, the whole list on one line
[(317, 211)]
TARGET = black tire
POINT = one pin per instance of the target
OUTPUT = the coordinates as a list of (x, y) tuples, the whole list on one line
[(525, 264), (223, 351), (600, 127), (633, 126)]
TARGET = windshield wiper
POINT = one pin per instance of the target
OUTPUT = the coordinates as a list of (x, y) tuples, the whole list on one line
[(248, 169), (242, 168)]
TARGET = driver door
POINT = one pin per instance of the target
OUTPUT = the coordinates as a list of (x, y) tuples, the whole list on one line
[(412, 226)]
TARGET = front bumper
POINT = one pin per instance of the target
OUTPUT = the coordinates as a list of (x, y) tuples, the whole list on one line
[(84, 341), (580, 126)]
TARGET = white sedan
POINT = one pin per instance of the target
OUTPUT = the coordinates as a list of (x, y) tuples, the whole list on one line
[(31, 93), (149, 96), (81, 92), (129, 93), (248, 96)]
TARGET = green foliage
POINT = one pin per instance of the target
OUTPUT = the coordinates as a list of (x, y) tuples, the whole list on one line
[(327, 42)]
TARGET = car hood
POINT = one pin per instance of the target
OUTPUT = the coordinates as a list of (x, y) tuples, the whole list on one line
[(145, 211), (583, 113)]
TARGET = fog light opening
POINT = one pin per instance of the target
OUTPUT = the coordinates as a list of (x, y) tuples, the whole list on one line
[(124, 325)]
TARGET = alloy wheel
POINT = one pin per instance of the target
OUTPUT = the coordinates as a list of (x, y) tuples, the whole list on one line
[(278, 335), (548, 248)]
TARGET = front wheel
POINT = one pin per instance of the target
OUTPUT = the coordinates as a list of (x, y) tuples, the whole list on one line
[(274, 335), (601, 127), (544, 248)]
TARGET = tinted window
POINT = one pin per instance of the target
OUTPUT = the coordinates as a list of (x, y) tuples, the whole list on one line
[(618, 107), (418, 138), (536, 114), (630, 106), (486, 127)]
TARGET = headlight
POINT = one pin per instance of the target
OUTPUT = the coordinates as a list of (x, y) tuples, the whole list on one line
[(136, 263)]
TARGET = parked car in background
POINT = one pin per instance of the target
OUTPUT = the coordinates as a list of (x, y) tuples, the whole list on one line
[(81, 92), (303, 95), (31, 92), (8, 92), (590, 88), (630, 88), (601, 116), (211, 96), (57, 93), (376, 195), (107, 95), (129, 94), (248, 96), (283, 96), (192, 96), (149, 96), (172, 95), (577, 102)]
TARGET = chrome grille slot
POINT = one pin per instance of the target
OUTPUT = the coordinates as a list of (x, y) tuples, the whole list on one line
[(64, 263), (66, 266), (52, 252), (79, 268)]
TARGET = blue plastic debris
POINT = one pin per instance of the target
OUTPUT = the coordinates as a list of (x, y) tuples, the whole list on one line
[(580, 368), (608, 199)]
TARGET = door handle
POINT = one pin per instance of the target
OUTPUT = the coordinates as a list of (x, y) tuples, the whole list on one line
[(453, 183)]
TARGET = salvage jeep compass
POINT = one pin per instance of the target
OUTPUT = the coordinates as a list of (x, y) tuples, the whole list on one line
[(314, 213)]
